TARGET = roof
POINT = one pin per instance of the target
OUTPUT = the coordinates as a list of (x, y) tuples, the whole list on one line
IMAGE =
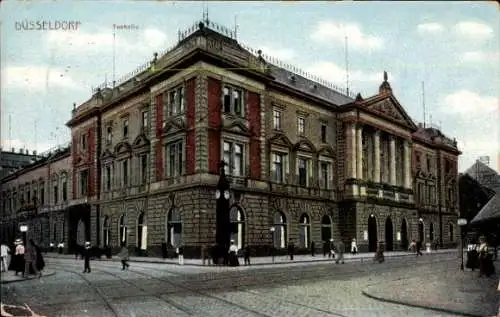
[(480, 168), (490, 211)]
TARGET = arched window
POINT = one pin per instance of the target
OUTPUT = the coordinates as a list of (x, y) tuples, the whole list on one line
[(279, 230), (173, 230), (80, 233), (451, 233), (106, 231), (142, 233), (326, 228), (122, 225), (237, 226), (304, 231)]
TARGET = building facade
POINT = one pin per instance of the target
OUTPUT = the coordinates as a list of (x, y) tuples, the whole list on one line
[(302, 158), (12, 160)]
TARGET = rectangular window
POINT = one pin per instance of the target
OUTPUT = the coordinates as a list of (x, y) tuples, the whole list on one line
[(234, 158), (109, 134), (277, 119), (278, 167), (233, 101), (108, 177), (429, 164), (42, 193), (324, 167), (175, 162), (301, 125), (144, 169), (125, 172), (84, 183), (64, 190), (28, 196), (125, 128), (145, 120), (83, 141), (421, 192), (302, 172), (56, 192), (323, 133), (176, 101)]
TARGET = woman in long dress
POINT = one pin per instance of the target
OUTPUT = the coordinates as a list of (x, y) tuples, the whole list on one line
[(233, 255), (17, 261)]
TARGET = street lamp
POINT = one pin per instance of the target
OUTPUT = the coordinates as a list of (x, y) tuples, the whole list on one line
[(272, 230), (223, 221), (461, 223), (24, 230)]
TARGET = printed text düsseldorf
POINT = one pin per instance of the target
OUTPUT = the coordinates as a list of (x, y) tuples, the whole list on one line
[(44, 25)]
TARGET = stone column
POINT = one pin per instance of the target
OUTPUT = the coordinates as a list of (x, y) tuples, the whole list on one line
[(359, 151), (392, 160), (407, 165), (376, 154), (351, 150)]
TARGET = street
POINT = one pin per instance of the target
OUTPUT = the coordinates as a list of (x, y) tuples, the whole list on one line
[(310, 289)]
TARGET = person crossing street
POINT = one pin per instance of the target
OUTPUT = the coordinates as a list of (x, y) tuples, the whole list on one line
[(86, 258), (124, 255)]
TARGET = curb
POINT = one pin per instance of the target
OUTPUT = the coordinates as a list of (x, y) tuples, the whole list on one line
[(363, 259), (49, 273), (442, 310)]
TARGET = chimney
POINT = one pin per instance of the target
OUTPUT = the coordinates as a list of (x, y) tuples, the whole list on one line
[(13, 150), (34, 152), (21, 151), (420, 126)]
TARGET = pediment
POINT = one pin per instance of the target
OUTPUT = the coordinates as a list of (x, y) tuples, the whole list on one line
[(327, 151), (122, 147), (390, 107), (174, 125), (281, 140), (304, 145), (237, 127), (141, 141), (107, 154)]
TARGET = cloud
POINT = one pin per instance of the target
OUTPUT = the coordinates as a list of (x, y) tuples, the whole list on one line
[(478, 56), (426, 28), (283, 54), (465, 102), (326, 31), (474, 30), (37, 77), (336, 74), (126, 41)]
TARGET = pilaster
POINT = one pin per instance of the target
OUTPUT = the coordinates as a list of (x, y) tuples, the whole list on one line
[(359, 151), (407, 166), (392, 158), (376, 145), (351, 150)]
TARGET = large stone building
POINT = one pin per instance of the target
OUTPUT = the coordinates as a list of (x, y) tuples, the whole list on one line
[(12, 160), (303, 158)]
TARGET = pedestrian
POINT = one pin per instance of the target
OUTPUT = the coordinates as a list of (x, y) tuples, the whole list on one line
[(326, 248), (17, 261), (203, 252), (418, 248), (40, 262), (4, 253), (247, 255), (60, 246), (340, 250), (313, 248), (30, 260), (180, 254), (379, 254), (233, 255), (332, 250), (124, 256), (51, 247), (164, 250), (86, 257), (354, 247), (213, 253), (291, 249)]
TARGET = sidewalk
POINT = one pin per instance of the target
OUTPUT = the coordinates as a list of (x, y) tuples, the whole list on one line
[(451, 291), (266, 260), (10, 277)]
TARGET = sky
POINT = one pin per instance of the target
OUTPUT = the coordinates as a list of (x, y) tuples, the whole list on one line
[(451, 47)]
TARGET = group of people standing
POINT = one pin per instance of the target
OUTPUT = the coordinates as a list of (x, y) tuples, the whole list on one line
[(481, 256), (27, 260)]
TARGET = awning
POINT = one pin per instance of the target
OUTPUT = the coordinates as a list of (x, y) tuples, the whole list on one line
[(490, 211)]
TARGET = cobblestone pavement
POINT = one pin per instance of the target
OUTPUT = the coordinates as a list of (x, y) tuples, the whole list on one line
[(323, 289), (455, 290)]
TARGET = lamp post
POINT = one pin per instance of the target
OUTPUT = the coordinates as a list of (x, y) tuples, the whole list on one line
[(461, 223), (24, 230), (223, 221), (272, 230)]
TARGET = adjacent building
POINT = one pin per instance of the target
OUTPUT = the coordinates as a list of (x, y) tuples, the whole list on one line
[(12, 160), (304, 159)]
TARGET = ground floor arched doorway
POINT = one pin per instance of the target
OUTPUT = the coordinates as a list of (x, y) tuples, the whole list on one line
[(404, 235), (389, 235), (372, 233)]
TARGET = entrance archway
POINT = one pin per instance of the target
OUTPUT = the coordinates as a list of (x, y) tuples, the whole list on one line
[(372, 233), (389, 235), (237, 219), (404, 235), (326, 228), (304, 231), (421, 231)]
